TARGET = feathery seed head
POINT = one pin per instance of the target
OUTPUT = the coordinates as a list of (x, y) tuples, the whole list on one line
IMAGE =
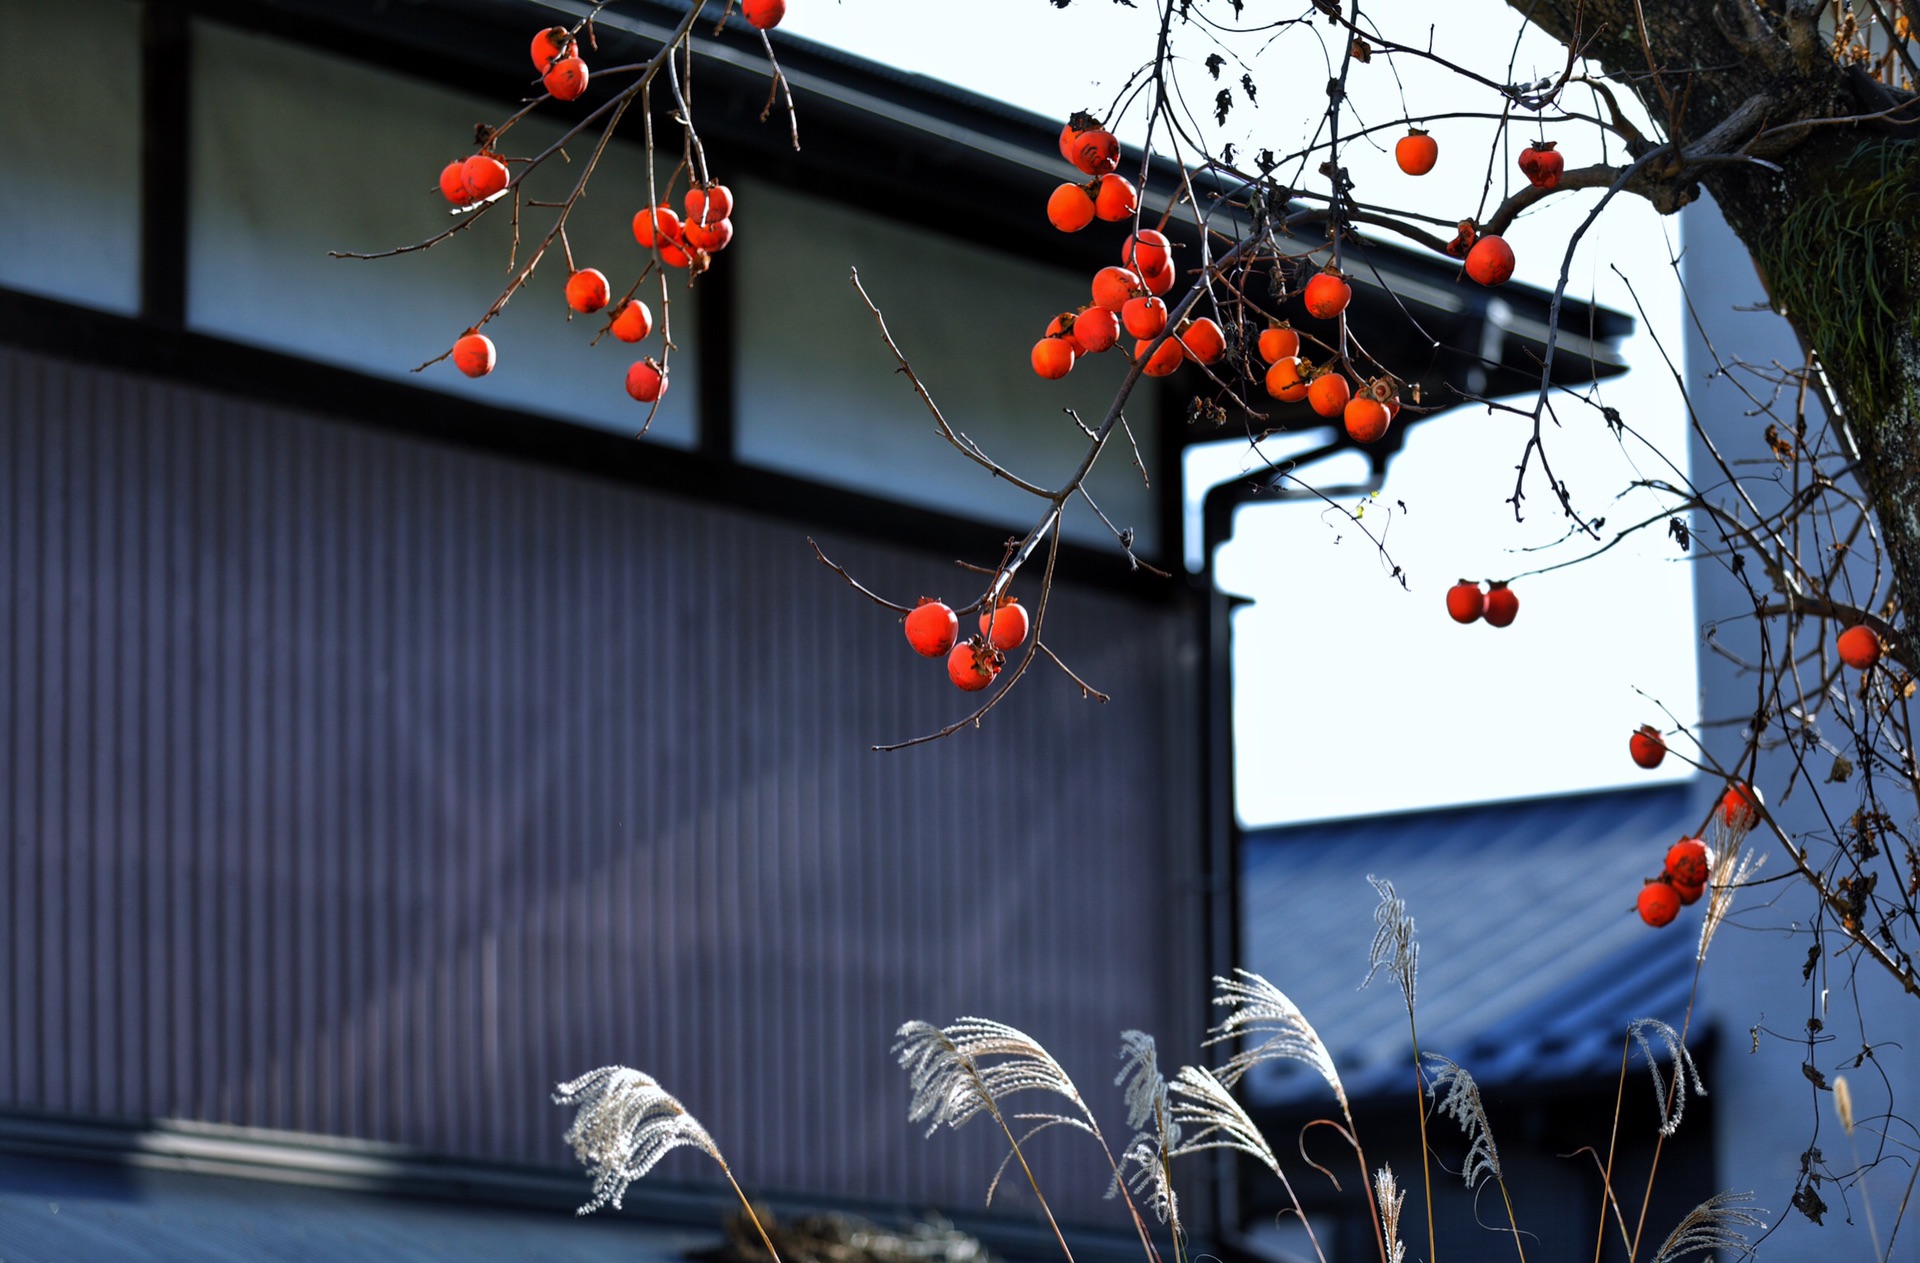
[(1260, 1008), (1203, 1101), (953, 1079), (1386, 1191), (1394, 947), (1462, 1105), (1683, 1060), (1713, 1225), (626, 1123)]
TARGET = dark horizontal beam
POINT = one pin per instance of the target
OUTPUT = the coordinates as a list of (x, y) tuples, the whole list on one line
[(111, 341)]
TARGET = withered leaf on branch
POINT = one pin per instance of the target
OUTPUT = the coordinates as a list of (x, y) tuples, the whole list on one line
[(1842, 770), (1215, 62), (1222, 105), (1782, 448), (1807, 1202)]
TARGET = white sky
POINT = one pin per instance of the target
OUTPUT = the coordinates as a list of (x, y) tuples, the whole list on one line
[(1353, 696)]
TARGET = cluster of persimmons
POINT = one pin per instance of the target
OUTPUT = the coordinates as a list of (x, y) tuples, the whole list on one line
[(687, 242), (1128, 299), (933, 629)]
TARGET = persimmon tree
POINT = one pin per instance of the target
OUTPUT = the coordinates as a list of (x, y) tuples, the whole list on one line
[(1232, 273)]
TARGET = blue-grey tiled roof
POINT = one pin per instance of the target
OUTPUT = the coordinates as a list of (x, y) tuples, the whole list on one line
[(1532, 960)]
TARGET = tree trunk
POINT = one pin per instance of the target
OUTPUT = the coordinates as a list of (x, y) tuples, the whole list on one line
[(1835, 232)]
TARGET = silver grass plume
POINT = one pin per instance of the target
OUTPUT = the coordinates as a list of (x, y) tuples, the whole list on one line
[(1387, 1192), (1155, 1133), (1205, 1102), (626, 1124), (1394, 947), (1144, 1165), (1144, 1087), (1730, 866), (1260, 1008), (952, 1085), (1713, 1225), (1683, 1070), (1462, 1105)]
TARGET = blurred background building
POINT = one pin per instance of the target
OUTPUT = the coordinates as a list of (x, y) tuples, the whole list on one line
[(381, 748)]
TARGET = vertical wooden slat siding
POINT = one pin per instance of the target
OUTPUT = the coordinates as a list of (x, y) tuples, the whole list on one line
[(364, 787)]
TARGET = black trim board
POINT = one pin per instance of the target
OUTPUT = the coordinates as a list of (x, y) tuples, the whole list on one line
[(77, 333), (166, 76)]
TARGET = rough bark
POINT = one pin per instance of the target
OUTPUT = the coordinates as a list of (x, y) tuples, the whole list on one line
[(1834, 230)]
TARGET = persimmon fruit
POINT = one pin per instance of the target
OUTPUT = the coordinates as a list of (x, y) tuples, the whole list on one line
[(1659, 903), (932, 627), (1147, 251), (1328, 394), (1278, 342), (633, 321), (1739, 809), (1490, 262), (1116, 199), (1286, 379), (1542, 165), (711, 236), (647, 381), (1070, 208), (1203, 339), (972, 664), (1687, 862), (1052, 358), (1327, 295), (566, 79), (1112, 287), (473, 354), (656, 223), (1095, 151), (484, 175), (1144, 316), (1066, 327), (1502, 605), (453, 184), (550, 46), (1096, 328), (1466, 602), (1416, 152), (1167, 357), (763, 15), (1366, 419), (588, 291), (1647, 747), (710, 204), (1859, 647), (1005, 626)]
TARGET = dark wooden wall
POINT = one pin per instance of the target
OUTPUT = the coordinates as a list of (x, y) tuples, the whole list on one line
[(356, 785)]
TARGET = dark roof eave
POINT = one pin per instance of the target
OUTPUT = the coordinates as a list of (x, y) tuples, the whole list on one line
[(879, 138)]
